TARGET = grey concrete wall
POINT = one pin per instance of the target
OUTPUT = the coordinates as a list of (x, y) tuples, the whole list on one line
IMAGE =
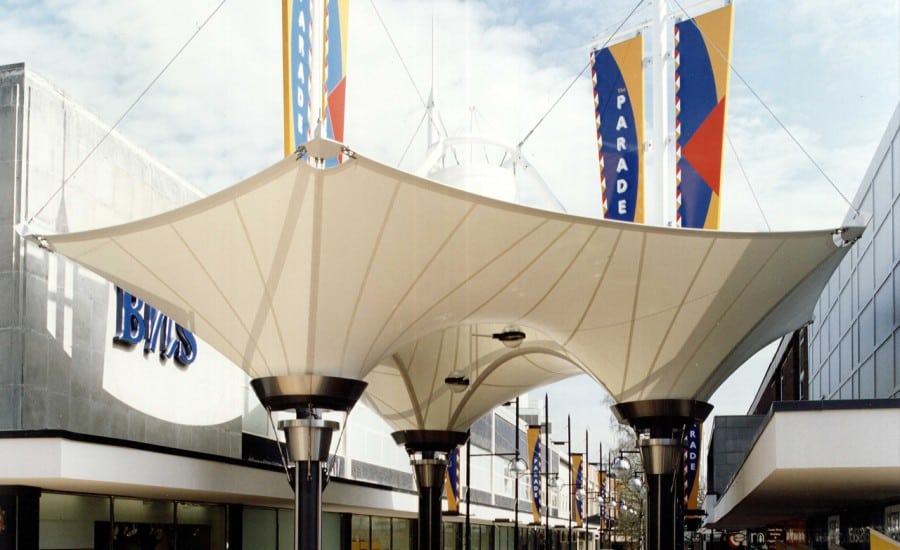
[(11, 341), (53, 313)]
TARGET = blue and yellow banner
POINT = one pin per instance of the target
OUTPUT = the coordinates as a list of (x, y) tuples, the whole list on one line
[(534, 460), (702, 58), (691, 463), (879, 541), (601, 481), (578, 500), (452, 483), (314, 57), (618, 79), (338, 26), (296, 20)]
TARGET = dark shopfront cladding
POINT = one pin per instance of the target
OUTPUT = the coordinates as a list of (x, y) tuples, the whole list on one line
[(32, 519), (82, 521), (827, 478), (848, 529)]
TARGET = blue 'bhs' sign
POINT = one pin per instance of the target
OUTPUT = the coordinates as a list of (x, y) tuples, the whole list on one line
[(137, 321)]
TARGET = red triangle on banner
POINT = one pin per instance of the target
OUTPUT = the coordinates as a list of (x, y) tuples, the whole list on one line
[(704, 150), (336, 109)]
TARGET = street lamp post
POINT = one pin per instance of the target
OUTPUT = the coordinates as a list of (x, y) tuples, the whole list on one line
[(571, 479), (468, 484), (572, 483), (631, 478), (547, 473), (516, 489), (584, 499), (601, 494), (515, 469)]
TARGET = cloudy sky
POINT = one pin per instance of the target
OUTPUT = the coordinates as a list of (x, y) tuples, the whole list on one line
[(830, 71)]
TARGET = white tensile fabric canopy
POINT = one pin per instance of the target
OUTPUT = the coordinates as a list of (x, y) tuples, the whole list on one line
[(333, 271), (408, 389)]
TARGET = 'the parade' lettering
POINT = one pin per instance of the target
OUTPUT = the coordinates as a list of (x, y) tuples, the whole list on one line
[(622, 184)]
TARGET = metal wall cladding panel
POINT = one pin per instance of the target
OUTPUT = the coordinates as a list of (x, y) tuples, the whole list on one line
[(365, 471), (53, 377), (480, 497), (482, 431), (506, 503), (505, 439), (9, 89), (10, 397)]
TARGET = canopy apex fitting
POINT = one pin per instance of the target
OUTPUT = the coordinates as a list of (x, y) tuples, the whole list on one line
[(303, 392), (322, 148), (429, 441), (659, 416)]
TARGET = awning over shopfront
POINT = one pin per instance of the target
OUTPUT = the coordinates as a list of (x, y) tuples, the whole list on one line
[(811, 458), (334, 271)]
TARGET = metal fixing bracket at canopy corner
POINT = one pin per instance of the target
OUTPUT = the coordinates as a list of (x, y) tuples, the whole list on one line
[(321, 148)]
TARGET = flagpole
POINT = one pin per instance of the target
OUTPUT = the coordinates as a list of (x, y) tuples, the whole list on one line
[(585, 506), (516, 490), (659, 211), (547, 474), (571, 477)]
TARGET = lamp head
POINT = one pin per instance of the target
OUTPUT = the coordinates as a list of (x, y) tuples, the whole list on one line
[(635, 484), (511, 336), (517, 467), (621, 467), (457, 381)]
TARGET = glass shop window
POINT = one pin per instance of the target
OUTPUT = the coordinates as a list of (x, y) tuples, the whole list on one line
[(71, 521), (401, 535), (200, 526), (141, 524), (359, 532), (260, 528), (285, 529)]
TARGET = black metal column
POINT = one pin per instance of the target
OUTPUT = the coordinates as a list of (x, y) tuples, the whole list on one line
[(429, 474), (661, 517), (662, 458), (308, 505), (659, 424), (428, 451)]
